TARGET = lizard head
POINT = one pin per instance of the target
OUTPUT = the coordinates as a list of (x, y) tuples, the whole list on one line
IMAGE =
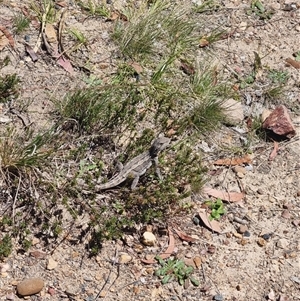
[(159, 144)]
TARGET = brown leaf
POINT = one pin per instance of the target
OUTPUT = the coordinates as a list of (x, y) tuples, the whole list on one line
[(66, 64), (211, 224), (223, 195), (294, 63), (187, 67), (167, 253), (184, 236), (137, 67), (274, 151), (31, 53), (203, 42), (5, 38), (233, 161), (50, 33)]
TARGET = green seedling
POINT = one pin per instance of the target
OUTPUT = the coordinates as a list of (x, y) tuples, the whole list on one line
[(278, 76), (21, 23), (93, 9), (175, 269), (5, 246), (258, 8), (9, 87), (217, 209), (206, 6)]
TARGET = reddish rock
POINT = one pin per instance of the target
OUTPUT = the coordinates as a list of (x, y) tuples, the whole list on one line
[(280, 123)]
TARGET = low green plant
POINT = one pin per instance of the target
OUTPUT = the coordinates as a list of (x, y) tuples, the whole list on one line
[(20, 23), (44, 10), (207, 6), (217, 209), (5, 246), (9, 89), (278, 76), (259, 9), (93, 9), (175, 269)]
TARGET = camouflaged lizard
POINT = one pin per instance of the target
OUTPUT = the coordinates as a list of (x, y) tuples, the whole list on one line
[(138, 165)]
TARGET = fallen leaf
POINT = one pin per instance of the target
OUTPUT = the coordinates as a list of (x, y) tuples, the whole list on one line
[(187, 67), (5, 38), (223, 195), (137, 67), (66, 64), (211, 224), (294, 63), (234, 161), (31, 53), (203, 42), (274, 151), (50, 33), (167, 253), (184, 236), (113, 16)]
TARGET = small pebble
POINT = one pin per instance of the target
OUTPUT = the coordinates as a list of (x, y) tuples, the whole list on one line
[(197, 261), (286, 214), (52, 264), (261, 242), (242, 229), (196, 220), (260, 191), (267, 236), (148, 239), (218, 297), (124, 258), (249, 167), (10, 296), (247, 234)]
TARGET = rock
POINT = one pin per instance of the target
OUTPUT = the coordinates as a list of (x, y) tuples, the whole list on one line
[(218, 297), (124, 258), (261, 242), (239, 169), (265, 114), (52, 264), (286, 214), (38, 254), (243, 26), (197, 261), (148, 239), (4, 267), (10, 296), (189, 262), (30, 286), (280, 123), (234, 111), (282, 243), (242, 229)]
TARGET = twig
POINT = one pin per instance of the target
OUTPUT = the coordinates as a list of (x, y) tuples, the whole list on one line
[(114, 261), (15, 199)]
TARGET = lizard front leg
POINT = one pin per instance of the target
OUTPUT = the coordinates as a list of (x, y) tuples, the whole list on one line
[(157, 169)]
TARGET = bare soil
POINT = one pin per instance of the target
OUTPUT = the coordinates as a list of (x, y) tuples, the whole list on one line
[(233, 266)]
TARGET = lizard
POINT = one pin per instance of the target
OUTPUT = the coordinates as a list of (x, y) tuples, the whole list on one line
[(138, 165)]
